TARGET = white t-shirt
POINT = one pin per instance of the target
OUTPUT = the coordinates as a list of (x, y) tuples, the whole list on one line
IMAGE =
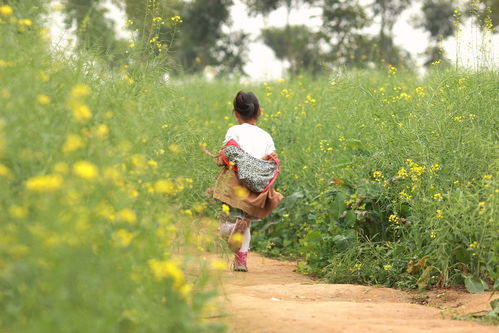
[(252, 139)]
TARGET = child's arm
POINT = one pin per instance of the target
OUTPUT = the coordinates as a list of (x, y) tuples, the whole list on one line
[(218, 158), (268, 157)]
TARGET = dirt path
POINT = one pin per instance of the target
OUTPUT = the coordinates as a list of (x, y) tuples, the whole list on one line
[(271, 297)]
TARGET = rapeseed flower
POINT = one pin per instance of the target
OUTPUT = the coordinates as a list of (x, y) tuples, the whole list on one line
[(73, 142), (6, 10), (437, 196), (85, 170), (43, 99), (176, 19), (167, 269), (122, 237), (80, 90), (81, 112), (218, 265), (4, 171), (17, 212), (45, 183), (241, 192), (225, 209), (164, 186), (127, 215), (174, 148), (101, 130), (393, 218)]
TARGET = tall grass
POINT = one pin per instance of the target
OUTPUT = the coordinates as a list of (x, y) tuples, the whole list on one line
[(389, 178), (92, 234)]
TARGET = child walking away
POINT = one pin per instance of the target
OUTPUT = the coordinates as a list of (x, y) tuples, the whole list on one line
[(245, 184)]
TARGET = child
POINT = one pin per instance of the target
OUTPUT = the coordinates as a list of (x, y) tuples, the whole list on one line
[(245, 183)]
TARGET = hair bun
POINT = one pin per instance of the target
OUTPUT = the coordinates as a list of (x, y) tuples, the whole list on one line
[(246, 104)]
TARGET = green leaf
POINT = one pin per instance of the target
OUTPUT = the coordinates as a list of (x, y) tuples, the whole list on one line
[(474, 284), (349, 218), (425, 277)]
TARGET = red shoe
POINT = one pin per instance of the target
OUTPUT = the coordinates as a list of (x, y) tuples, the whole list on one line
[(240, 262)]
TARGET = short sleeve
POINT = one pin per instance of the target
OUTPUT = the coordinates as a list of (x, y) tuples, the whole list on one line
[(270, 146), (230, 135)]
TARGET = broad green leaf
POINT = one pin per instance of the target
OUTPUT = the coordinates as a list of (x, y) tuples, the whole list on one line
[(474, 284)]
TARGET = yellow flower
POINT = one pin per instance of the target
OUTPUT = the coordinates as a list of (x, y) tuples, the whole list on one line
[(44, 183), (174, 148), (439, 214), (218, 265), (73, 142), (4, 171), (387, 267), (185, 290), (80, 90), (393, 219), (405, 196), (122, 237), (378, 175), (433, 235), (26, 22), (241, 192), (6, 10), (43, 99), (164, 186), (199, 207), (225, 209), (85, 170), (101, 130), (176, 19), (81, 112), (17, 212), (437, 196), (127, 215), (402, 173), (167, 269)]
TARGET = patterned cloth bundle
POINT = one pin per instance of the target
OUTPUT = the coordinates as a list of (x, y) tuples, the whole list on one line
[(257, 174)]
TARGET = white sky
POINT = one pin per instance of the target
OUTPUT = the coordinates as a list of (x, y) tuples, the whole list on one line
[(263, 65)]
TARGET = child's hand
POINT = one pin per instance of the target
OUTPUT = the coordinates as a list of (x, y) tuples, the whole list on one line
[(269, 156), (219, 161)]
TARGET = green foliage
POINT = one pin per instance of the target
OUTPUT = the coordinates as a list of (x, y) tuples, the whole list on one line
[(389, 178), (94, 31), (92, 238)]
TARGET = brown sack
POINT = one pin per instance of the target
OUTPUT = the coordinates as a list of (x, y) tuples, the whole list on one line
[(229, 189)]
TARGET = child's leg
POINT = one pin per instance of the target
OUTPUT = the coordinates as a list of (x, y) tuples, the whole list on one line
[(237, 236), (246, 241)]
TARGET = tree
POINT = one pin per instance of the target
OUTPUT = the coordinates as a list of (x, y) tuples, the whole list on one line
[(388, 11), (343, 22), (200, 40), (438, 21), (93, 30), (296, 44)]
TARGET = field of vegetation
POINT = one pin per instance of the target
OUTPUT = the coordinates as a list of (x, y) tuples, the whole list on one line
[(389, 179)]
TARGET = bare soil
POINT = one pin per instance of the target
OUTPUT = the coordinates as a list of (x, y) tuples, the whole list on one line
[(272, 297)]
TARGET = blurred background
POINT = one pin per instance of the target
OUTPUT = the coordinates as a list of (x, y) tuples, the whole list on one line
[(265, 39)]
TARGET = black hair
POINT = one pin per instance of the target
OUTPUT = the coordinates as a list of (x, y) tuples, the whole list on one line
[(246, 104)]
